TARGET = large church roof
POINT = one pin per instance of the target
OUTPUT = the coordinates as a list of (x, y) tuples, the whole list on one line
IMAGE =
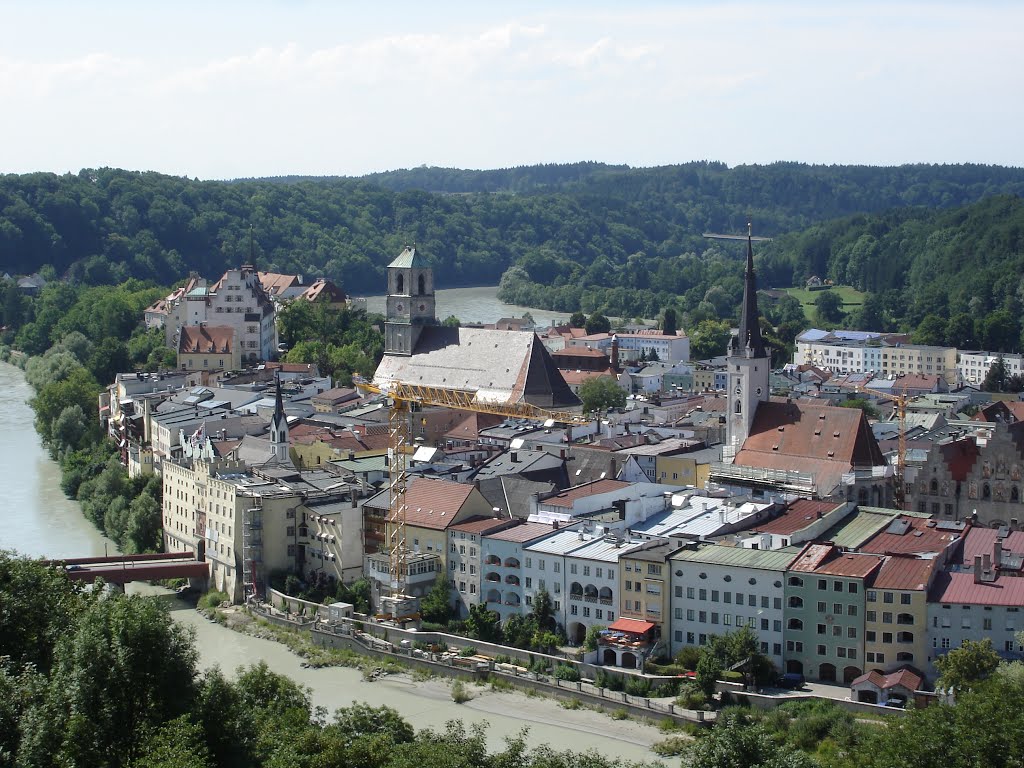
[(500, 366), (824, 441)]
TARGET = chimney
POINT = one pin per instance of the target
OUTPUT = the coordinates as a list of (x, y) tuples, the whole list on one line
[(977, 569), (515, 457), (613, 467), (615, 353), (554, 525), (353, 496), (986, 562), (997, 553), (561, 454)]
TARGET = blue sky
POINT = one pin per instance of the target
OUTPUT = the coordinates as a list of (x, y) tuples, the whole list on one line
[(228, 89)]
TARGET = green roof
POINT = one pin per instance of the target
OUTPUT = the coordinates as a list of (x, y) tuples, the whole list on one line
[(857, 528), (407, 259), (740, 557), (363, 464)]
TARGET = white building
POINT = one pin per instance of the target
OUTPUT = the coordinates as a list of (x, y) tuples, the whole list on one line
[(501, 555), (579, 569), (718, 589), (973, 366), (668, 348), (237, 301), (848, 352)]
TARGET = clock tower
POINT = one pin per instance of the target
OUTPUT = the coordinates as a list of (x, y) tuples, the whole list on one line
[(749, 362), (410, 303)]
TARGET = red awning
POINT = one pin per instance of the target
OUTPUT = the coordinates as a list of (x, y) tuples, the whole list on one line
[(633, 626)]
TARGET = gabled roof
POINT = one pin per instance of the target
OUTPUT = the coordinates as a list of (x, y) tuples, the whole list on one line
[(274, 283), (500, 367), (570, 496), (321, 289), (207, 339), (430, 503), (903, 678), (817, 439)]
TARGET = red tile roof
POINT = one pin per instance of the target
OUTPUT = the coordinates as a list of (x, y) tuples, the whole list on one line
[(797, 516), (217, 339), (903, 678), (827, 560), (817, 439), (961, 588), (568, 498), (523, 532), (321, 289), (979, 541), (907, 573), (633, 626), (917, 538)]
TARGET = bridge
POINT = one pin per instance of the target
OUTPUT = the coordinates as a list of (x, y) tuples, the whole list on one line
[(122, 569)]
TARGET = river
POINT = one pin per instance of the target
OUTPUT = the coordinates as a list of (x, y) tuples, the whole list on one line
[(477, 305), (38, 520)]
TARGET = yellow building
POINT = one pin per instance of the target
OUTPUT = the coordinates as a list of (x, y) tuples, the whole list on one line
[(644, 583), (896, 614), (681, 469), (208, 348)]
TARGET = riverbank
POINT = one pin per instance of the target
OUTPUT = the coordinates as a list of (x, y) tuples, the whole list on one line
[(425, 703)]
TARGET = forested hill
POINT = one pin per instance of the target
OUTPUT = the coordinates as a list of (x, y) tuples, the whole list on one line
[(590, 235), (954, 276)]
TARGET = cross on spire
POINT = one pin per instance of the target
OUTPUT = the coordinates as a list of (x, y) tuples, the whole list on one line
[(748, 342)]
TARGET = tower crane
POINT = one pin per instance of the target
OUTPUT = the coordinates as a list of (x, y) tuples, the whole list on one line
[(403, 396), (901, 401)]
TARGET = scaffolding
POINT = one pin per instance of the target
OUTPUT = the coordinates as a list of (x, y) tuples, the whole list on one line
[(252, 550)]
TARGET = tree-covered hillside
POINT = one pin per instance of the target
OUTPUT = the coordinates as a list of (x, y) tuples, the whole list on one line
[(568, 226), (953, 276)]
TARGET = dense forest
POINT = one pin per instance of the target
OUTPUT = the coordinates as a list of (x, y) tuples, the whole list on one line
[(97, 681), (625, 230), (951, 276)]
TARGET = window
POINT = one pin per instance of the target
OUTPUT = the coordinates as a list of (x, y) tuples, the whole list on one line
[(542, 565), (796, 602), (776, 626), (837, 609), (529, 563), (739, 598), (795, 624), (837, 586), (703, 594), (837, 631), (629, 585), (714, 595), (689, 593), (703, 617), (726, 619), (822, 584), (851, 610), (820, 650), (986, 623), (714, 617), (821, 629), (586, 568), (841, 653), (870, 637), (573, 609), (851, 633), (887, 597), (777, 603), (678, 591), (887, 618), (529, 582), (796, 581), (572, 568), (689, 615), (586, 611), (822, 607), (905, 598), (852, 588)]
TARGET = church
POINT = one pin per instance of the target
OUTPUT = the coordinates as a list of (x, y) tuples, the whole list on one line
[(499, 366), (787, 446)]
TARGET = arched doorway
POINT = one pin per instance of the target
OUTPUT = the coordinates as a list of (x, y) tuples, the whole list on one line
[(609, 659), (850, 674), (795, 667), (577, 633), (827, 673), (629, 660)]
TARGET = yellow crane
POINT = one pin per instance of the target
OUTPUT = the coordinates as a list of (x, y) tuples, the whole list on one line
[(403, 396), (901, 401)]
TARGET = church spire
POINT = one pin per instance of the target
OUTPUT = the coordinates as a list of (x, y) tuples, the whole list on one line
[(749, 337)]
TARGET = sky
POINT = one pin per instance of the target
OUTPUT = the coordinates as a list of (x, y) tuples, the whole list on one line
[(230, 89)]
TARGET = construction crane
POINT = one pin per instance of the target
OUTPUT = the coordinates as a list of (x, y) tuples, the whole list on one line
[(749, 236), (901, 401), (403, 397)]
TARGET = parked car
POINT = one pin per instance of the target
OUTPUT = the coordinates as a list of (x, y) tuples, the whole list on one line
[(792, 681)]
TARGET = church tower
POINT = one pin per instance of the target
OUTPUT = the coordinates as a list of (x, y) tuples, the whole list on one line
[(748, 361), (410, 303), (279, 427)]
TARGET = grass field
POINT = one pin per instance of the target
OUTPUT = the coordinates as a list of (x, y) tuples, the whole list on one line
[(851, 297)]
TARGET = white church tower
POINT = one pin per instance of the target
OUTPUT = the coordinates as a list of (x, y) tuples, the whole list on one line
[(749, 362)]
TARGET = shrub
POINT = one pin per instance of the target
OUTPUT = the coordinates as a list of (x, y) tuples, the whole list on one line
[(691, 697), (567, 672), (501, 658), (571, 704), (620, 714), (539, 666), (665, 690), (213, 599), (732, 677), (467, 651), (460, 695), (638, 686), (688, 657), (672, 746)]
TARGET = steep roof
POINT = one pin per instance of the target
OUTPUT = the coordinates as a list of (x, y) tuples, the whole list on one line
[(749, 336), (409, 258), (817, 439), (323, 289), (274, 282), (500, 367), (430, 503), (217, 339)]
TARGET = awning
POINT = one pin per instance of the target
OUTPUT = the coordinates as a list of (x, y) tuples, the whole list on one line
[(633, 626)]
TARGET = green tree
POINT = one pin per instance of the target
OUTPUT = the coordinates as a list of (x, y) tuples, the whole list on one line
[(996, 378), (859, 402), (543, 612), (484, 624), (451, 322), (964, 667), (593, 635), (931, 330), (597, 323), (828, 307), (601, 393), (709, 669), (709, 339), (436, 605), (124, 670), (79, 388), (577, 320), (736, 742), (960, 331), (669, 322)]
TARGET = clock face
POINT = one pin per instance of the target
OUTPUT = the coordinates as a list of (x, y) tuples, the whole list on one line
[(759, 390), (739, 390), (423, 307), (400, 307)]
